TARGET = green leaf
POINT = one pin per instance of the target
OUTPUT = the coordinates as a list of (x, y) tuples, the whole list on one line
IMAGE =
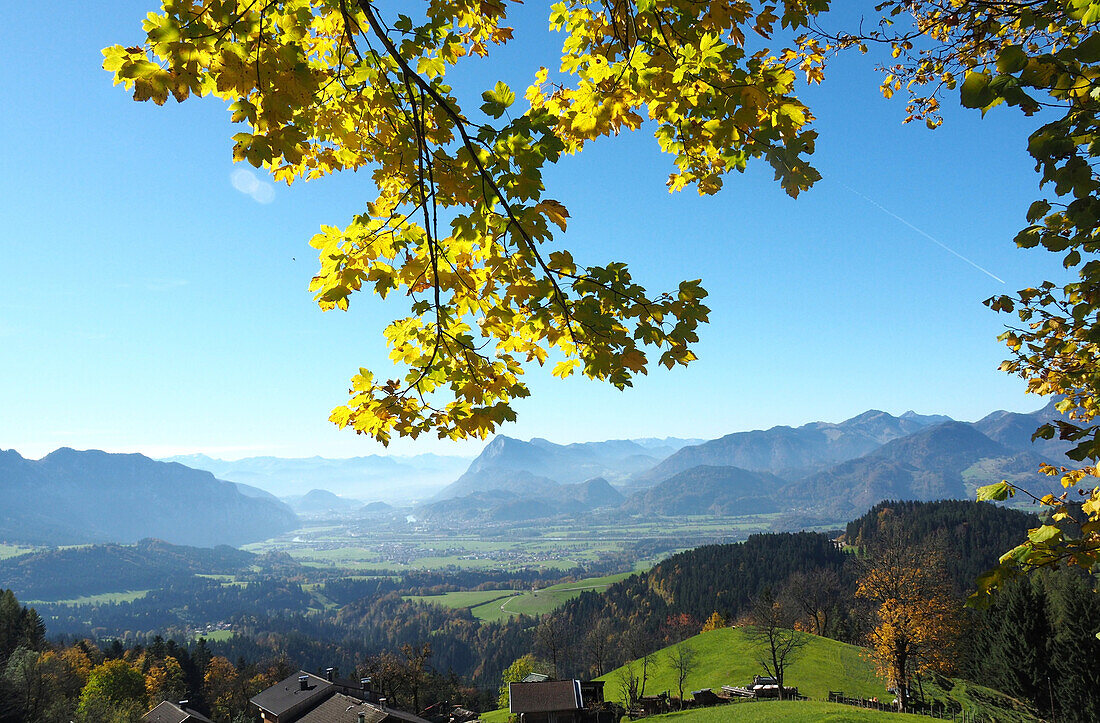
[(995, 492), (497, 100), (1046, 533), (1011, 59), (975, 92)]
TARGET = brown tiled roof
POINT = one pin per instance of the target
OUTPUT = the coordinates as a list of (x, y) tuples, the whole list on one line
[(168, 712), (288, 696), (342, 708), (545, 697)]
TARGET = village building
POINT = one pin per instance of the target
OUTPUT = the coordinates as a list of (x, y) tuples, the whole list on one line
[(560, 701), (308, 698), (169, 712)]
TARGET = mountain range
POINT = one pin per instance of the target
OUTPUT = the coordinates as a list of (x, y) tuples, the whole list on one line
[(370, 478), (70, 497), (821, 470), (513, 464)]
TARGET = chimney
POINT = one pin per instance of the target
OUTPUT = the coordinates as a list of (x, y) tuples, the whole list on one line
[(183, 703), (362, 717), (303, 682), (382, 702), (330, 674)]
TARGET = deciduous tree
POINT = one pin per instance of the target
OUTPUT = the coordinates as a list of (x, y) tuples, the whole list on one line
[(915, 617), (461, 224), (115, 691), (682, 659), (519, 669), (773, 636)]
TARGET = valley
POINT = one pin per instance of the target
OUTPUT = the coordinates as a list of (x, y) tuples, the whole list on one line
[(533, 549)]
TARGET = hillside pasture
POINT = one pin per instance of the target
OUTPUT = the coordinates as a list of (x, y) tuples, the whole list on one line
[(494, 605)]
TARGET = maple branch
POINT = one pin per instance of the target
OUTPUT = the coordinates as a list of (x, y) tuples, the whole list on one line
[(460, 125)]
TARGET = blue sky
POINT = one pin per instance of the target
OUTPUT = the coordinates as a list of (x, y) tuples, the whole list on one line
[(147, 304)]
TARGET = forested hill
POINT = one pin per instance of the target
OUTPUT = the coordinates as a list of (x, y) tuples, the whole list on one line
[(724, 579), (972, 535), (698, 582), (93, 569)]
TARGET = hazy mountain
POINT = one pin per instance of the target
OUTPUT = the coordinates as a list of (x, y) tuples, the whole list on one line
[(394, 479), (506, 463), (1014, 430), (536, 499), (706, 490), (321, 501), (71, 497), (592, 494), (250, 491), (790, 451), (947, 461)]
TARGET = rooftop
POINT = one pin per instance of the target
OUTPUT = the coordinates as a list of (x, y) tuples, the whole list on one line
[(169, 712), (290, 694), (545, 697)]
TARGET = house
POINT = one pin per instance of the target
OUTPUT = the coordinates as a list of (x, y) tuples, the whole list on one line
[(340, 708), (561, 701), (169, 712), (308, 698)]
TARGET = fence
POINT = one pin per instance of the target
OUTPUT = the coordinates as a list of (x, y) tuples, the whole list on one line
[(940, 712)]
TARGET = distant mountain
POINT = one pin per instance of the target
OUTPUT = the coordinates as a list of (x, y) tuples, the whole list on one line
[(71, 497), (515, 465), (537, 499), (947, 461), (389, 478), (1014, 430), (321, 501), (593, 494), (250, 491), (790, 452), (706, 490)]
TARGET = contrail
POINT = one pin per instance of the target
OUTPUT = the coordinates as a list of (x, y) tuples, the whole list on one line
[(927, 235)]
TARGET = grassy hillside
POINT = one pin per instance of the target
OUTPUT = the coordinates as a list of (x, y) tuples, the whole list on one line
[(725, 657), (786, 711), (492, 605), (765, 712)]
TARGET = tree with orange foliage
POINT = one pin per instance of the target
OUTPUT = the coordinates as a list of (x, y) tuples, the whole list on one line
[(221, 687), (916, 618), (714, 622), (165, 680)]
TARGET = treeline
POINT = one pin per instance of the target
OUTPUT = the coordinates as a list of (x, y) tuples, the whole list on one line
[(85, 683), (974, 533), (345, 590), (472, 649), (183, 604), (1037, 640), (117, 683), (66, 573)]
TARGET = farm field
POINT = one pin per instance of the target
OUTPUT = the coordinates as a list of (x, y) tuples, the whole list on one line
[(100, 599), (401, 547), (493, 605), (7, 551)]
